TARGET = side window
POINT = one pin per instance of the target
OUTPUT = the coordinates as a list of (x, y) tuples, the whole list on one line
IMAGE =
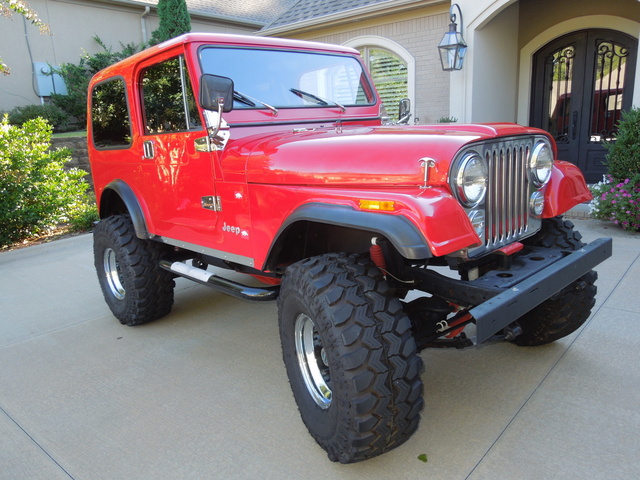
[(168, 101), (110, 120)]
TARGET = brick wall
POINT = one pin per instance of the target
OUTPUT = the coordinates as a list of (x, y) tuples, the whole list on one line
[(79, 155)]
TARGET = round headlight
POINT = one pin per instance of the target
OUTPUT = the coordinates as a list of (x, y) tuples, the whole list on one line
[(471, 180), (541, 164)]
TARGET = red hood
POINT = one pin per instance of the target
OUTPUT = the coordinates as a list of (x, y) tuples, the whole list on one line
[(356, 156)]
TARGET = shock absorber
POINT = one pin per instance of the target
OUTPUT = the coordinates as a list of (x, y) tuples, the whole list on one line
[(377, 255)]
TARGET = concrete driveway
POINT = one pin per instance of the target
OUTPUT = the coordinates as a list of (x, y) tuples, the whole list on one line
[(203, 394)]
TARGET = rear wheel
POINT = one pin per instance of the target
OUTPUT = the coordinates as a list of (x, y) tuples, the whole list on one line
[(134, 286), (568, 309), (350, 356)]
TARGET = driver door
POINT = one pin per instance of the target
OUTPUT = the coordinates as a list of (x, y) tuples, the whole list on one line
[(179, 176)]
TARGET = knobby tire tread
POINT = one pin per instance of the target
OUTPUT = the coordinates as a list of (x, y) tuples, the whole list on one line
[(568, 309), (149, 288), (378, 357)]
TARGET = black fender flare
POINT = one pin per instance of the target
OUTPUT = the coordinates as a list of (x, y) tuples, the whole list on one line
[(403, 235), (130, 200)]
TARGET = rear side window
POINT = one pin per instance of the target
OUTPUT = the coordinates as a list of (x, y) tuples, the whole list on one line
[(110, 121), (168, 101)]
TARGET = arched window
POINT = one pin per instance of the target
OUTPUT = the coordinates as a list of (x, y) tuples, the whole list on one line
[(392, 69)]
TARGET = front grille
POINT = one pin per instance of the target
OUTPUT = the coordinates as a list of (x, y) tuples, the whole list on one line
[(506, 210), (506, 206)]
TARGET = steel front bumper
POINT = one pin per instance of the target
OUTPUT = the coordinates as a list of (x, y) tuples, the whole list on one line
[(499, 311), (500, 297)]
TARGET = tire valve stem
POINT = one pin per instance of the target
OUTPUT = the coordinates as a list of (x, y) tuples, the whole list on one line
[(377, 255), (323, 356)]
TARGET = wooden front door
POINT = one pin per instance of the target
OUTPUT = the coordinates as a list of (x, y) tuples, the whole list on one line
[(581, 83)]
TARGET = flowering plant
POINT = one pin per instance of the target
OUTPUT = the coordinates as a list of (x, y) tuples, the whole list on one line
[(618, 202)]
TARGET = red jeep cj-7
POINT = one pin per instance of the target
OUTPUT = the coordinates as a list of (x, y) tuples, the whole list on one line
[(269, 157)]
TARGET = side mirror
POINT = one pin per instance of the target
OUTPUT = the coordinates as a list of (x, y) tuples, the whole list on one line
[(215, 92), (404, 110)]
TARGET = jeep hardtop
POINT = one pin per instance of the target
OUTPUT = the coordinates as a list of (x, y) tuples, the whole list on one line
[(270, 157)]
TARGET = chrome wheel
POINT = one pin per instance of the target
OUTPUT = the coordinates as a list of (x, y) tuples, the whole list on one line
[(312, 361), (113, 274)]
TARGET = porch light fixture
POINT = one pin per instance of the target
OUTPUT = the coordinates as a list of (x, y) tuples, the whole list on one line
[(452, 46)]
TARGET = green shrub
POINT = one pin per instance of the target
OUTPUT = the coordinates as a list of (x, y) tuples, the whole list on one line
[(36, 192), (51, 113), (623, 157), (84, 215), (617, 197)]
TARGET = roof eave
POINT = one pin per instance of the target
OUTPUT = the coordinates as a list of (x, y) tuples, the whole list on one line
[(367, 11), (194, 14), (226, 19)]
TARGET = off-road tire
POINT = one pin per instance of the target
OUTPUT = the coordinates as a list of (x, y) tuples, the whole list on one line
[(568, 309), (364, 346), (134, 286)]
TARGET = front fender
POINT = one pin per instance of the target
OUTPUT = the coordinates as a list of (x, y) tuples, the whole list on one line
[(566, 189), (397, 229), (427, 222), (118, 195)]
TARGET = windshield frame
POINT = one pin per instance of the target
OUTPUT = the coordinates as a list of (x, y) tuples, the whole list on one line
[(366, 93)]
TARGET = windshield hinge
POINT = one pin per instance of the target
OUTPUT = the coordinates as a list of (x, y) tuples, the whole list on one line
[(211, 202)]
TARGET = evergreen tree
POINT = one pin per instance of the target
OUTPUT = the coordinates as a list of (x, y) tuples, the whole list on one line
[(174, 20)]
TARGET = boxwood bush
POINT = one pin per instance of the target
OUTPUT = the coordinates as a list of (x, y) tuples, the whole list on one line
[(623, 154), (36, 192), (51, 113)]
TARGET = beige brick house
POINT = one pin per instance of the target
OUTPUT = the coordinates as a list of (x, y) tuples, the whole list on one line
[(569, 67)]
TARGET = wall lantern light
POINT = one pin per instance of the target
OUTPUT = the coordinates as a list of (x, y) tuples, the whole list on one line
[(453, 47)]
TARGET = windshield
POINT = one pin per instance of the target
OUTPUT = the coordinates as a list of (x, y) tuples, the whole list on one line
[(289, 79)]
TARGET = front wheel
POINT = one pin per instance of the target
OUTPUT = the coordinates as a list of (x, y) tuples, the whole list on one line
[(350, 356), (134, 286), (568, 309)]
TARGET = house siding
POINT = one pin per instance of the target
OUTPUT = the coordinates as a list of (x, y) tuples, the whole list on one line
[(73, 26)]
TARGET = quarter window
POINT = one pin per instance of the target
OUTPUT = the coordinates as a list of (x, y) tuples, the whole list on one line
[(110, 122), (168, 101)]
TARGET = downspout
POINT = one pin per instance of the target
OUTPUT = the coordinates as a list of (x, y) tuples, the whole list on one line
[(143, 23)]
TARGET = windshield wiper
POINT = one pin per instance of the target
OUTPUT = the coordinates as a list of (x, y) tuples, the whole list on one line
[(247, 100), (319, 100)]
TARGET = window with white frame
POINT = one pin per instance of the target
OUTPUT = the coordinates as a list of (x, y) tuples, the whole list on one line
[(392, 68)]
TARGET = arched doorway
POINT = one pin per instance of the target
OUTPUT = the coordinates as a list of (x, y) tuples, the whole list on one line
[(581, 82)]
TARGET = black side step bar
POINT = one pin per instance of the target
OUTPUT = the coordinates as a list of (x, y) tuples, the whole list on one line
[(221, 284)]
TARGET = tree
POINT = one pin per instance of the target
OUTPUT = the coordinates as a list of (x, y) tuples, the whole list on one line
[(77, 76), (174, 20), (8, 7), (623, 157)]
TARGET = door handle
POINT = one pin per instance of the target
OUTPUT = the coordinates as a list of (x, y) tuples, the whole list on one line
[(574, 126), (148, 149)]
